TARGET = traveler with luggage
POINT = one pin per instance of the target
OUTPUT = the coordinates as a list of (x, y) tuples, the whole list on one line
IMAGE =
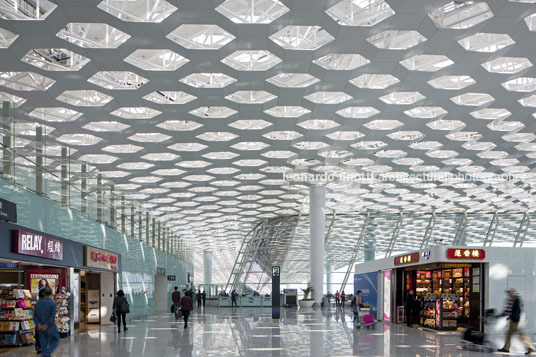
[(513, 313)]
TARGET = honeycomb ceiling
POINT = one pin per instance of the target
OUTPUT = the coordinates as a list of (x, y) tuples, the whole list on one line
[(197, 108)]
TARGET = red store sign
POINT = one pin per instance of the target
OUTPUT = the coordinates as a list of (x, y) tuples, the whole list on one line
[(407, 259), (466, 253), (102, 259), (37, 245)]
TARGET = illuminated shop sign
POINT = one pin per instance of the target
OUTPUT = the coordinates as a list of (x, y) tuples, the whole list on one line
[(407, 259), (102, 259), (37, 245), (466, 253)]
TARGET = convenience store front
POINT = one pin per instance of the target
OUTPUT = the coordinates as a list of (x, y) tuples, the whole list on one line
[(447, 295), (453, 286), (30, 260)]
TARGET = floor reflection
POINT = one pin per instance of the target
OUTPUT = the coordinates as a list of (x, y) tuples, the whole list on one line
[(252, 332)]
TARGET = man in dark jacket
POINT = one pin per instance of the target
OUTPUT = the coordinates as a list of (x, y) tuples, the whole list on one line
[(513, 313), (176, 298), (186, 306), (204, 297), (44, 317), (234, 294)]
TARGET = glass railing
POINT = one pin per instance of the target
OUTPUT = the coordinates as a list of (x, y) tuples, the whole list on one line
[(32, 158)]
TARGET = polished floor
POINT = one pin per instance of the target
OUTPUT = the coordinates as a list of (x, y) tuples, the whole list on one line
[(251, 332)]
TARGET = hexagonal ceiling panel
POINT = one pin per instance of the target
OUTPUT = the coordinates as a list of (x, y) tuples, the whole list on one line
[(202, 107)]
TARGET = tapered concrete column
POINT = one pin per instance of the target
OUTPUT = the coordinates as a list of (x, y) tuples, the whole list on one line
[(160, 243), (39, 160), (99, 198), (207, 266), (83, 190), (112, 207), (123, 216), (7, 125), (329, 279), (132, 221), (317, 227), (140, 226), (64, 187), (147, 229)]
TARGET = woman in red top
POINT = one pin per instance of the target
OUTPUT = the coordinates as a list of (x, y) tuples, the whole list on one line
[(343, 299), (186, 307)]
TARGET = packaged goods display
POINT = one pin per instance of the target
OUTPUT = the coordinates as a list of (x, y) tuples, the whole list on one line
[(16, 312), (452, 287), (63, 312)]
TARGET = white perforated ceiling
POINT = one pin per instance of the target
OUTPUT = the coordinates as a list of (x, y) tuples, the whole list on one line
[(201, 106)]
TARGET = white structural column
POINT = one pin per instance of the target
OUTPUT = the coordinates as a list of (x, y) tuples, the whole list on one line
[(329, 279), (317, 226), (207, 266)]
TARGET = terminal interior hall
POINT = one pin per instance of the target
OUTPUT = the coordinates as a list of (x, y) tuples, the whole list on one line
[(267, 178)]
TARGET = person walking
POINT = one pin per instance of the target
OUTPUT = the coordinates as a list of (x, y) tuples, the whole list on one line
[(176, 298), (40, 295), (44, 318), (233, 298), (358, 302), (204, 297), (337, 298), (198, 298), (513, 313), (186, 306), (409, 307), (343, 299), (120, 309)]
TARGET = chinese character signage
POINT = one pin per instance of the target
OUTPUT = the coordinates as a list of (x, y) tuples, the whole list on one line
[(102, 259), (171, 277), (407, 259), (37, 245), (466, 253)]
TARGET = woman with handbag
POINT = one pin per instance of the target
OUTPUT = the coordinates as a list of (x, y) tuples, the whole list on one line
[(120, 309)]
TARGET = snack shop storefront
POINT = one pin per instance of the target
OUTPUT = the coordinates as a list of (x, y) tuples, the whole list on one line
[(452, 286)]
